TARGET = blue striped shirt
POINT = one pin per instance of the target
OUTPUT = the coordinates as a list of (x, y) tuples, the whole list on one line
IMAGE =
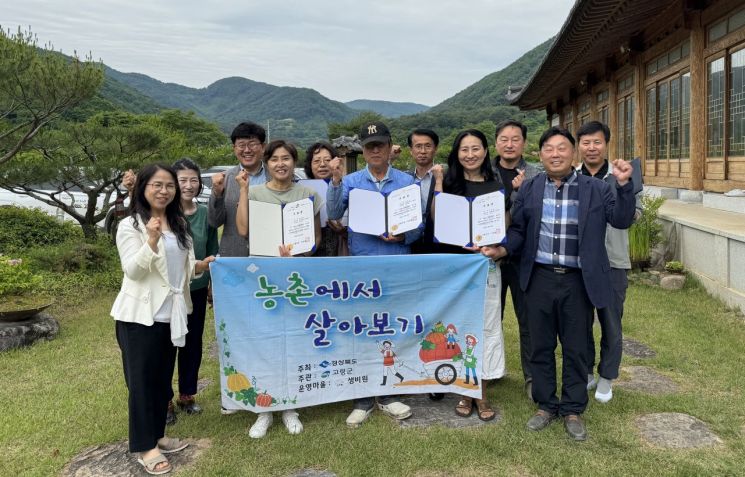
[(558, 243)]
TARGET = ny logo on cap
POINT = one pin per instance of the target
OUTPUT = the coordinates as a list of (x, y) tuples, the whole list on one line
[(372, 129)]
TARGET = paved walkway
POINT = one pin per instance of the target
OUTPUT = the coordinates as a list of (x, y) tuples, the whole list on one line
[(715, 221)]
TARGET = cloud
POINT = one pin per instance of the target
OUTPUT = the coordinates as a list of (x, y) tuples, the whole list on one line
[(417, 50)]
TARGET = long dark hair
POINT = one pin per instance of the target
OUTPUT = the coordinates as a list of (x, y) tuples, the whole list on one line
[(139, 208), (455, 178)]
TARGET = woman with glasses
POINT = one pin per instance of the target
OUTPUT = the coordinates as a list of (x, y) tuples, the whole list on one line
[(151, 309), (334, 234), (470, 174)]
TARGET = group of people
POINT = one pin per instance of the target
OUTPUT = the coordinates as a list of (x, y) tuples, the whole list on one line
[(555, 261)]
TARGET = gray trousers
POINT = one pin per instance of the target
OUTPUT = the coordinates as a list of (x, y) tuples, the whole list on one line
[(611, 338)]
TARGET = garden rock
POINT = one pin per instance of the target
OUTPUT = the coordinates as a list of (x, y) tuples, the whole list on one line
[(672, 282), (202, 384), (16, 334), (647, 380), (636, 349), (426, 413), (676, 431), (114, 460), (214, 351), (312, 473)]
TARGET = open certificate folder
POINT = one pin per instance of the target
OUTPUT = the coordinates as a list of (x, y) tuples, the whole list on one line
[(371, 212), (469, 221), (272, 225)]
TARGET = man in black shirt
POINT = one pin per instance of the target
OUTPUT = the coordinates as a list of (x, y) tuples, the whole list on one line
[(513, 169)]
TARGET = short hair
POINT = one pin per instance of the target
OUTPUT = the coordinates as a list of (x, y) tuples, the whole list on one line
[(593, 127), (424, 132), (276, 144), (184, 164), (555, 131), (512, 122), (314, 148), (248, 130)]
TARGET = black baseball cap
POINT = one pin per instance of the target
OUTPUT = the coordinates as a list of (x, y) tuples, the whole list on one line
[(374, 132)]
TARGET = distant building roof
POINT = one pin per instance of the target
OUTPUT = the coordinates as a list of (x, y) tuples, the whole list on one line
[(594, 31), (352, 143)]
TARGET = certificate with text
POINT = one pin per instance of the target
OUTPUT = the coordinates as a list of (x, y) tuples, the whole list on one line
[(272, 225), (470, 221), (373, 213)]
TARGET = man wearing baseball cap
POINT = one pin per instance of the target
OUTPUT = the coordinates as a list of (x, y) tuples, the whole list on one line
[(378, 175)]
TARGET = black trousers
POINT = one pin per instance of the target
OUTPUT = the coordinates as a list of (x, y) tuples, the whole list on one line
[(190, 355), (611, 338), (148, 357), (511, 279), (558, 305)]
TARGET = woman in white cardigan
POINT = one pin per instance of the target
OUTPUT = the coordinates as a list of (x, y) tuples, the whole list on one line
[(150, 311)]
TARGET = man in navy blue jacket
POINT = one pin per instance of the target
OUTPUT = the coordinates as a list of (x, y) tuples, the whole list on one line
[(558, 226)]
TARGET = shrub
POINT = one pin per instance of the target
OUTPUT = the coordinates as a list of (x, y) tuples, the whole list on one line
[(646, 232), (15, 277), (27, 228), (73, 256), (674, 266)]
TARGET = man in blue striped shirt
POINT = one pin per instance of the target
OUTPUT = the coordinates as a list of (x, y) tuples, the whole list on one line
[(558, 223)]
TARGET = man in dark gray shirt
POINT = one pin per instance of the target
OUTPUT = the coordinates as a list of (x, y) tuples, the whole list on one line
[(248, 146)]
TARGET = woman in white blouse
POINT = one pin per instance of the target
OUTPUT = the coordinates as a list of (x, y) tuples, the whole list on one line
[(150, 311)]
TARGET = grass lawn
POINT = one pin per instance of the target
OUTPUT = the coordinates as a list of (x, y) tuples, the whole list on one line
[(62, 396)]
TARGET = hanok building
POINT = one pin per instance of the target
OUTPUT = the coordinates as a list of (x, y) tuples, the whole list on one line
[(668, 77)]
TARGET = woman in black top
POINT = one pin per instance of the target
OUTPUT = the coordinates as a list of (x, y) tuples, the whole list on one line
[(470, 174)]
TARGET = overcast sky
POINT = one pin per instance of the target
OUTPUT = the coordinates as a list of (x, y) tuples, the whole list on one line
[(421, 51)]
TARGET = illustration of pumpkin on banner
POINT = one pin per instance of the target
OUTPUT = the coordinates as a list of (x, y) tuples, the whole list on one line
[(239, 388)]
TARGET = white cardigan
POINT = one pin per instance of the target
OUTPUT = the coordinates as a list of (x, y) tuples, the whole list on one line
[(145, 285)]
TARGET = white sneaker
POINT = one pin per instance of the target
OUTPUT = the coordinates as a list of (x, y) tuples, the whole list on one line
[(591, 382), (227, 412), (263, 421), (357, 417), (397, 410), (292, 422)]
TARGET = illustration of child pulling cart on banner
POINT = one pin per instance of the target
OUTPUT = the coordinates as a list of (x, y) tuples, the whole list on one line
[(442, 360)]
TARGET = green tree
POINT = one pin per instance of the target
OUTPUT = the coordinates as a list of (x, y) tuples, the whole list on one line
[(88, 158), (352, 127), (36, 87)]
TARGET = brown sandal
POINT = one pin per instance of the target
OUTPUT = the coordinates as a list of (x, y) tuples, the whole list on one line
[(484, 410), (464, 407)]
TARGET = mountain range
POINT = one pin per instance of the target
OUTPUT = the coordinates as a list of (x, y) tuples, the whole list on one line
[(303, 114)]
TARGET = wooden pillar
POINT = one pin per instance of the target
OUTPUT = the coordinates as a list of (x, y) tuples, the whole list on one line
[(612, 117), (698, 104), (594, 116), (640, 101)]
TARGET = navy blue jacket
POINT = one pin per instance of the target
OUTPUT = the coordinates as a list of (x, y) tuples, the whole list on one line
[(598, 206)]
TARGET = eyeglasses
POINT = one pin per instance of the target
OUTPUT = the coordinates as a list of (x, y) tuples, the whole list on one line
[(170, 187), (253, 145), (188, 181), (320, 161), (423, 147)]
